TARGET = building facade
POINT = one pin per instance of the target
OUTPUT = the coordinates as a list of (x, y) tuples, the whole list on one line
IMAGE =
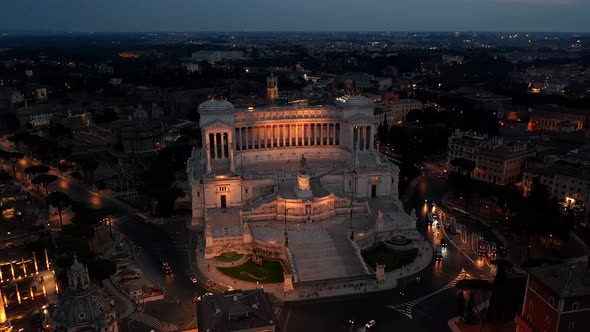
[(570, 184), (499, 105), (550, 118), (395, 110), (298, 164), (557, 298), (496, 161)]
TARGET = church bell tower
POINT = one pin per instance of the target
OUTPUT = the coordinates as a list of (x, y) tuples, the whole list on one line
[(272, 88)]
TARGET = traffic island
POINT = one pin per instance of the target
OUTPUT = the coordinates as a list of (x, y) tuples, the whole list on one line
[(268, 272)]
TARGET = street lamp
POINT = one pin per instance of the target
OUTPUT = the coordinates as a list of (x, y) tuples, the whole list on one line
[(285, 233)]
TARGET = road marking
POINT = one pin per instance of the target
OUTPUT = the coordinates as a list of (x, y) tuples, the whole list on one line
[(406, 308)]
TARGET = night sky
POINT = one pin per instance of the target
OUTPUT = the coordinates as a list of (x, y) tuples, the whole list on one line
[(294, 15)]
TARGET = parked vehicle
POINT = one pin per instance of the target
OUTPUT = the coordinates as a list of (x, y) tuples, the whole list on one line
[(142, 217), (482, 245)]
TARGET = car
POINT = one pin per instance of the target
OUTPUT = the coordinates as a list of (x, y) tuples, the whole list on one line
[(370, 323), (439, 253), (443, 243), (208, 294), (194, 279)]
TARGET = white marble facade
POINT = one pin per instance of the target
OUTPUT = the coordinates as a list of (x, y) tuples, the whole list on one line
[(249, 154)]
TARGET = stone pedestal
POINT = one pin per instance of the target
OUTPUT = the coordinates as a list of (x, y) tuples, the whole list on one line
[(380, 272), (303, 189), (287, 282)]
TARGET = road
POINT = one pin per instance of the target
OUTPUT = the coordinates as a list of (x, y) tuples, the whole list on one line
[(171, 242)]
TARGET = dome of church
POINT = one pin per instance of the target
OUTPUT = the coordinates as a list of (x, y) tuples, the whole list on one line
[(216, 105), (83, 305), (89, 308), (140, 114), (354, 101)]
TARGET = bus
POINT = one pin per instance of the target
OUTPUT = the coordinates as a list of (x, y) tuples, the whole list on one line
[(141, 217)]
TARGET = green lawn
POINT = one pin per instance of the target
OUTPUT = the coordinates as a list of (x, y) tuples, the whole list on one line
[(228, 257), (269, 272), (393, 259)]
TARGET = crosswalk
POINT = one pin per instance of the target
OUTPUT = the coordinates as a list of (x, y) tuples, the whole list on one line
[(406, 308), (154, 323)]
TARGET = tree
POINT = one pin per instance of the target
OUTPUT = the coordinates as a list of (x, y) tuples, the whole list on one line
[(465, 166), (37, 169), (476, 287), (383, 131), (13, 157), (59, 200), (158, 183), (89, 165), (45, 180), (100, 269), (415, 115), (5, 177)]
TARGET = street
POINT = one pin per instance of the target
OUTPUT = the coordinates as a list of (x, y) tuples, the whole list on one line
[(170, 242)]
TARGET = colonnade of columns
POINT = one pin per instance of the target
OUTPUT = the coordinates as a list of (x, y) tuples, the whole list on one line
[(362, 138), (219, 147), (283, 135)]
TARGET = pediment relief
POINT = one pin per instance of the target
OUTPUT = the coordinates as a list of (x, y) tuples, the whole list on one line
[(217, 124)]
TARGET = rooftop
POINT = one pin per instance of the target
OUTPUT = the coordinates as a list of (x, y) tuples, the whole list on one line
[(557, 278), (235, 311)]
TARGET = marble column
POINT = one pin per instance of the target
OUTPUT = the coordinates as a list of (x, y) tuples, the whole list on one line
[(208, 151), (230, 146), (248, 137), (369, 138), (214, 155)]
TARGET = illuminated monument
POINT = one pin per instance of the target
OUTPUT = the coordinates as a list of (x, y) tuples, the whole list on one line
[(265, 172)]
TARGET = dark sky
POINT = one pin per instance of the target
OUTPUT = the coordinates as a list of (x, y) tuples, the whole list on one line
[(295, 15)]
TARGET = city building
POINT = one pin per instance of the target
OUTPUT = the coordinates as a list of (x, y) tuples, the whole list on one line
[(569, 182), (272, 88), (38, 115), (139, 133), (490, 102), (83, 306), (549, 117), (452, 59), (236, 311), (395, 110), (557, 298), (217, 56), (496, 161)]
